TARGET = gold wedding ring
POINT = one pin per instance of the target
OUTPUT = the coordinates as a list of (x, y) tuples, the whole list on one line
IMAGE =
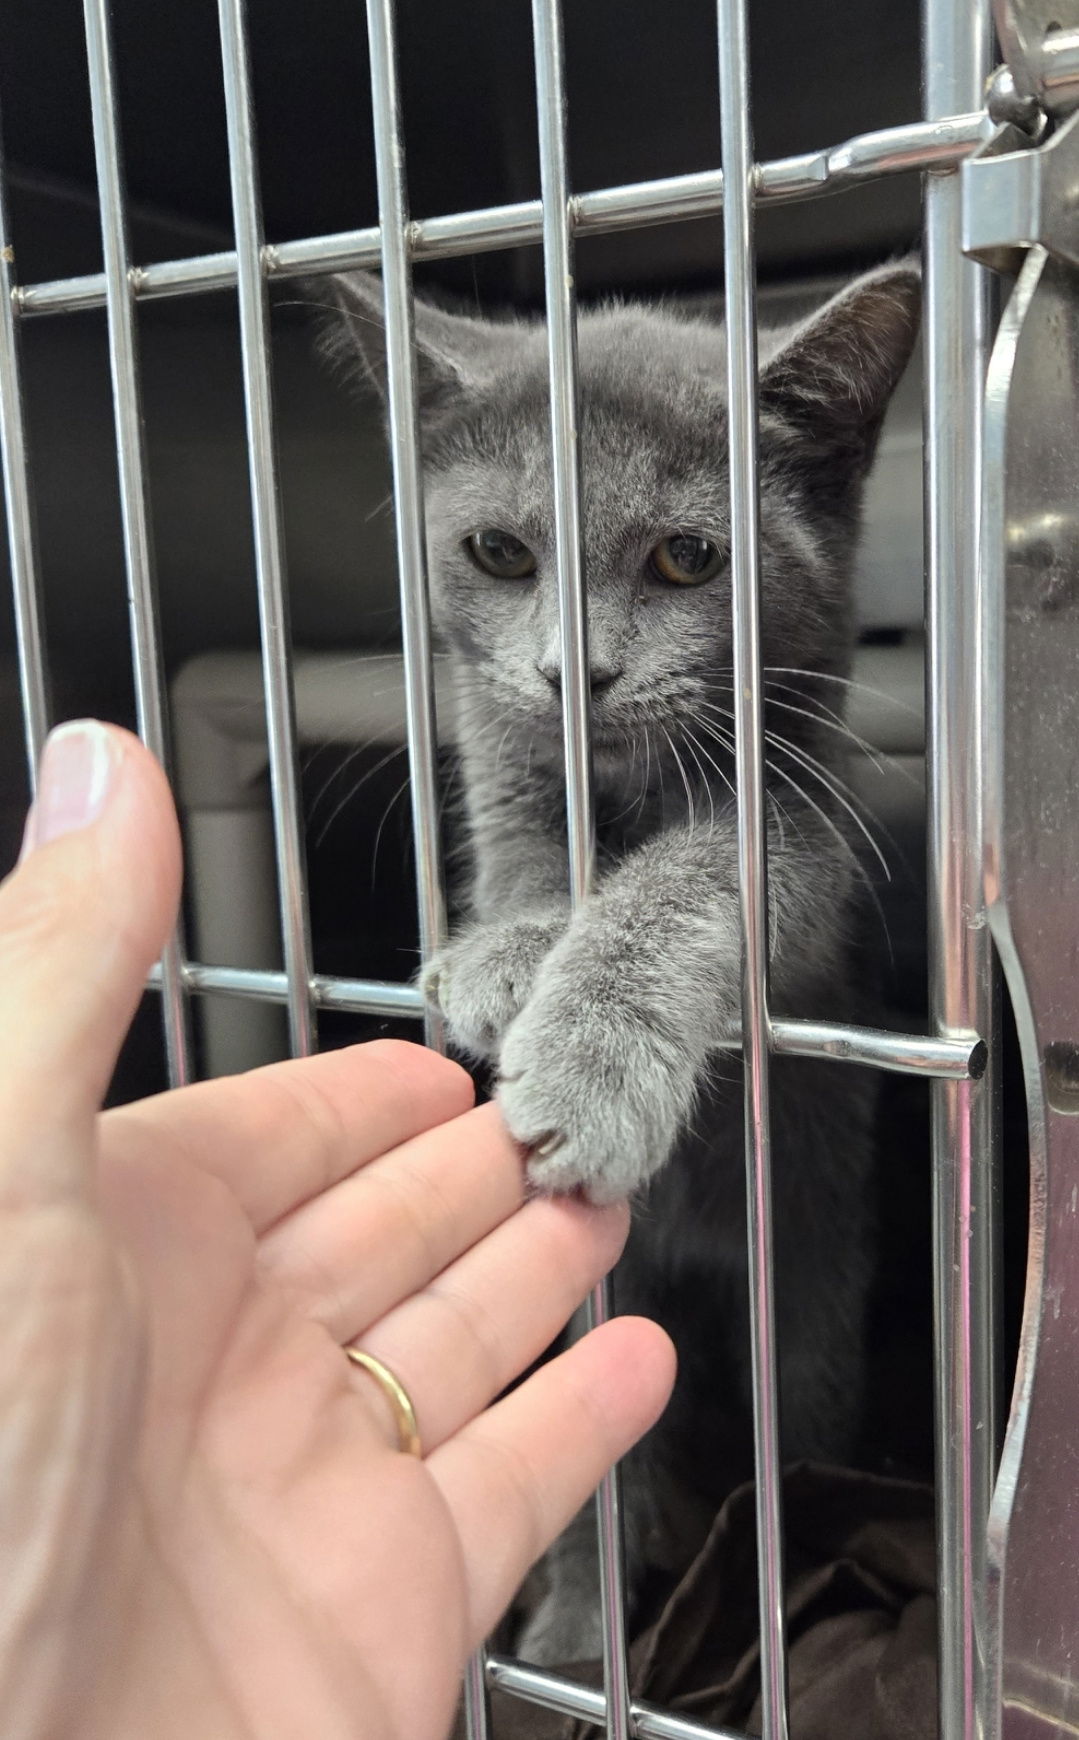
[(408, 1433)]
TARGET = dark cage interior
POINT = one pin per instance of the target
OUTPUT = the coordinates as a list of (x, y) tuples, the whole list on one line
[(642, 104)]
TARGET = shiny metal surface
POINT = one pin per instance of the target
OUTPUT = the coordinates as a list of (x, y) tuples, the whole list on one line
[(956, 49), (1014, 199), (131, 465), (901, 1053), (1059, 68), (553, 1692), (19, 512), (739, 273), (1025, 29), (407, 489), (256, 984), (268, 534), (893, 150), (1032, 877), (1005, 105), (477, 1702), (561, 309)]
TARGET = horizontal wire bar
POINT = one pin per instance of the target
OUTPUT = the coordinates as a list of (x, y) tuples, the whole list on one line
[(923, 145), (568, 1698), (898, 1053), (354, 996)]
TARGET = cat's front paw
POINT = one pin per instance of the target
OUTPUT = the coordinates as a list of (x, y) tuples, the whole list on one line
[(594, 1088), (483, 978), (565, 1628)]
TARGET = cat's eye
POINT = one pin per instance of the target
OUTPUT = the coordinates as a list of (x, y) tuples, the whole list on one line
[(501, 554), (686, 559)]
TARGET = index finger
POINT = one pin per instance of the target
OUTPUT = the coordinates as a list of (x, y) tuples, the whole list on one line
[(281, 1135)]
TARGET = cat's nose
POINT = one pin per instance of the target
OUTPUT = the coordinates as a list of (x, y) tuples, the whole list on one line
[(600, 677)]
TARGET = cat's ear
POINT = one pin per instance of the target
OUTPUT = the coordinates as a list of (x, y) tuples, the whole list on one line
[(831, 378), (455, 353)]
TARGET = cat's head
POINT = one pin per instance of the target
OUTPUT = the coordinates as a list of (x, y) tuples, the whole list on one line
[(655, 508)]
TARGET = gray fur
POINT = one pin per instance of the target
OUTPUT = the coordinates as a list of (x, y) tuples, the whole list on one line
[(605, 1026)]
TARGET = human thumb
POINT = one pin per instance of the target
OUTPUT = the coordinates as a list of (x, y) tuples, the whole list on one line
[(82, 918)]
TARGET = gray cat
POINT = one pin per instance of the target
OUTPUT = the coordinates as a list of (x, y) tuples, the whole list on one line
[(603, 1028)]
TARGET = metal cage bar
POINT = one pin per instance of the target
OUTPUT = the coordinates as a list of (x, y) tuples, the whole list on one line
[(267, 528), (561, 304), (957, 46), (553, 1692), (922, 145), (407, 486), (406, 461), (131, 467), (739, 271), (21, 534), (952, 1059)]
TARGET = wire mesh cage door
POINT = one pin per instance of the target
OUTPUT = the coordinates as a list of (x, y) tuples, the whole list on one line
[(956, 1055)]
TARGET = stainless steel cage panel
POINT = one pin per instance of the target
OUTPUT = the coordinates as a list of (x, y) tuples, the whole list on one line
[(955, 1054)]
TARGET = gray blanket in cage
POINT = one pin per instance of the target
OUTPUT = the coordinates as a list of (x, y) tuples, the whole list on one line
[(861, 1612)]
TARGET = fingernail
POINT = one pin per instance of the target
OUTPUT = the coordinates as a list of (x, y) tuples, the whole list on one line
[(77, 768)]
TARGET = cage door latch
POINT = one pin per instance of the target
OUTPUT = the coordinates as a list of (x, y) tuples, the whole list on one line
[(1021, 188)]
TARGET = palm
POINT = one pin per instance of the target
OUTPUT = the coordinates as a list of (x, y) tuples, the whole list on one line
[(280, 1555), (273, 1498)]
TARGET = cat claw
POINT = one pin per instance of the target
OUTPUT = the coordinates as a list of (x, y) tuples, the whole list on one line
[(547, 1144)]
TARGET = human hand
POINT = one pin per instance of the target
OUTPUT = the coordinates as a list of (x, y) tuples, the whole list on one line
[(208, 1528)]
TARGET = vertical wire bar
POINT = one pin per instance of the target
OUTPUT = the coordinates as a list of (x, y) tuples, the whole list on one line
[(268, 532), (21, 532), (957, 45), (131, 463), (407, 465), (407, 486), (561, 299), (560, 291), (740, 287), (477, 1698)]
